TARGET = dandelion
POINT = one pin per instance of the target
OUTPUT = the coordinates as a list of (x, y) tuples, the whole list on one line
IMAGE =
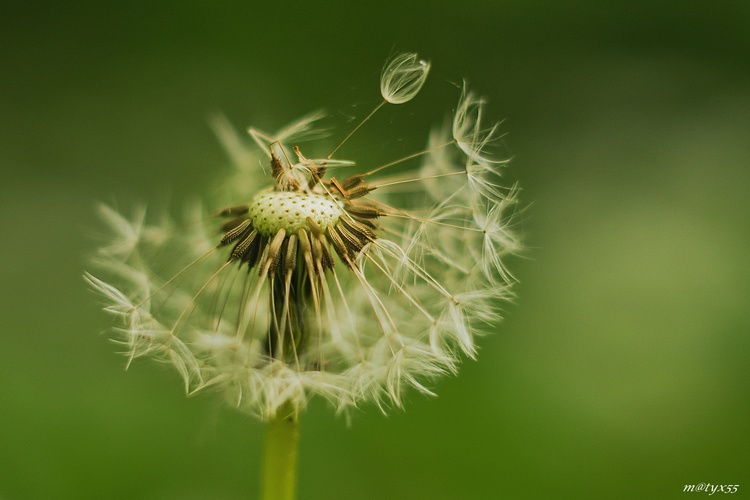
[(322, 277)]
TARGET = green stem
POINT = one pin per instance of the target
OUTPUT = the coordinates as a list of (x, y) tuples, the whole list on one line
[(279, 479)]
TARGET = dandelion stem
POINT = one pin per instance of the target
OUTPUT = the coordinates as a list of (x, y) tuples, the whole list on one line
[(279, 479)]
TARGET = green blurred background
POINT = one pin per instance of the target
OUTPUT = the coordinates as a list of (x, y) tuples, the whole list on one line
[(623, 369)]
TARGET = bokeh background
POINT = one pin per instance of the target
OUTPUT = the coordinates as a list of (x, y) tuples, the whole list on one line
[(623, 368)]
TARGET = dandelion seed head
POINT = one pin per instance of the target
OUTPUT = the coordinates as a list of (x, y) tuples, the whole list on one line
[(271, 212), (332, 280)]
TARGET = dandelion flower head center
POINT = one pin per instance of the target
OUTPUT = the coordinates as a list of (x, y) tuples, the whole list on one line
[(288, 210)]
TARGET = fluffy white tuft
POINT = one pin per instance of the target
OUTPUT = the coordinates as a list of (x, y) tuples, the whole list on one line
[(403, 77)]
